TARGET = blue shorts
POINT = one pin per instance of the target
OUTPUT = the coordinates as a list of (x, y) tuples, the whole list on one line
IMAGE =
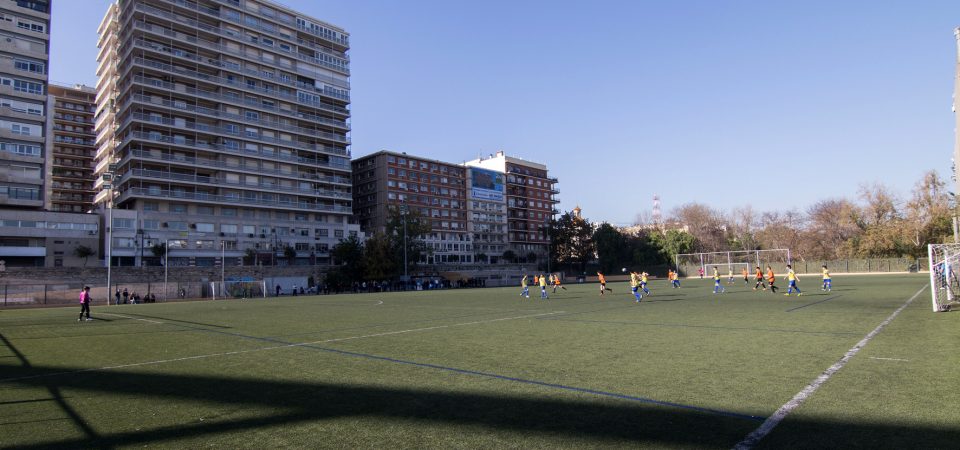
[(793, 283), (634, 289)]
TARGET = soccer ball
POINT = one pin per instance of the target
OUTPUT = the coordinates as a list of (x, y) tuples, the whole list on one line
[(624, 270)]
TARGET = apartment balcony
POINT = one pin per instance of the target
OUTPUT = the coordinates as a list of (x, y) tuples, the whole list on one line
[(7, 66), (73, 141), (177, 106), (341, 42), (21, 114), (235, 99), (193, 40), (213, 129), (222, 181), (181, 106), (217, 64), (191, 144), (202, 197), (215, 163)]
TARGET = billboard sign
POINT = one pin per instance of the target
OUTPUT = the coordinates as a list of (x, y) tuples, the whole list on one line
[(486, 184)]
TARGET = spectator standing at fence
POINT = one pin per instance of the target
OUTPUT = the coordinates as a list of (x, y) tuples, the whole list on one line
[(126, 296), (278, 290), (85, 303), (117, 295)]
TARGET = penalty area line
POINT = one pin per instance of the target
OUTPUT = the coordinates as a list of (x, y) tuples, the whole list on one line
[(128, 317), (768, 425)]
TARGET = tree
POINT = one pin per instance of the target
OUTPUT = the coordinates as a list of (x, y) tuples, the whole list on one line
[(417, 226), (705, 224), (572, 240), (672, 243), (613, 250), (290, 253), (927, 215), (249, 256), (82, 251), (348, 254), (509, 256), (159, 250), (379, 258), (481, 257), (832, 223)]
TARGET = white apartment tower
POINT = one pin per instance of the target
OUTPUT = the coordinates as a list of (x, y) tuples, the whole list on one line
[(222, 128)]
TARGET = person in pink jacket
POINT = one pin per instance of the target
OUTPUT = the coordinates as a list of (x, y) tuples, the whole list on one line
[(84, 303)]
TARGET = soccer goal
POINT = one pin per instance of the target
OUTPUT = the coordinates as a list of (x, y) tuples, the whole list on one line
[(238, 289), (690, 264), (944, 284)]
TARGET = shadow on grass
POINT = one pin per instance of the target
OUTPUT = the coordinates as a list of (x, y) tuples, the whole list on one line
[(288, 403)]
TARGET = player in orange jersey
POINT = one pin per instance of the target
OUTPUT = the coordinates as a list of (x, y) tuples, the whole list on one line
[(771, 279)]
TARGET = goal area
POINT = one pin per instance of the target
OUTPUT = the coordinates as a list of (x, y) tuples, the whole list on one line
[(238, 289), (944, 284), (690, 264)]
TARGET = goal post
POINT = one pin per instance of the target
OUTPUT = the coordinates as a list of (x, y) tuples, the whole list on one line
[(944, 284), (238, 289), (690, 263)]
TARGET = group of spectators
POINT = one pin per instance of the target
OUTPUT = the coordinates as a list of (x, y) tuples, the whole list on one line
[(124, 297)]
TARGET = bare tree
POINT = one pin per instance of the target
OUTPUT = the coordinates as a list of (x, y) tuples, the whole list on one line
[(832, 223), (705, 224)]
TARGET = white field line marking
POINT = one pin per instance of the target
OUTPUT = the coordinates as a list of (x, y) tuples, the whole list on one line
[(128, 317), (274, 347), (890, 359), (768, 425)]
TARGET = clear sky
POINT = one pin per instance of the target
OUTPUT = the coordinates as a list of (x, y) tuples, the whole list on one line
[(728, 103)]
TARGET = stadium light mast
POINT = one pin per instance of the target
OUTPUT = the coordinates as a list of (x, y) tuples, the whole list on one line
[(956, 140)]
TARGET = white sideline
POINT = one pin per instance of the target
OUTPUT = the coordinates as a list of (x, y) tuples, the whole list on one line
[(275, 347), (768, 425)]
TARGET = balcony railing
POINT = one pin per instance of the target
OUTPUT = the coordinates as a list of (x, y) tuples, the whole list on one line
[(218, 163), (222, 130), (221, 113), (238, 151), (205, 197), (139, 43), (218, 180)]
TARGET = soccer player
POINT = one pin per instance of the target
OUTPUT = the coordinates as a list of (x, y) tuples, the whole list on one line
[(526, 289), (635, 285), (760, 282), (717, 287), (603, 284), (543, 287), (771, 279), (792, 282), (746, 276), (730, 275), (826, 279), (676, 279), (643, 283), (85, 303), (556, 283)]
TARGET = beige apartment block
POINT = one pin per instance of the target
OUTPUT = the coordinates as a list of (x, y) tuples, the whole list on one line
[(222, 129)]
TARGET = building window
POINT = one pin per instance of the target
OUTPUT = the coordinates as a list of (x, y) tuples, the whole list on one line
[(205, 227), (338, 233), (29, 66)]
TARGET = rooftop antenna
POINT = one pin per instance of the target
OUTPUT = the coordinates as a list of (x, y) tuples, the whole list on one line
[(657, 215)]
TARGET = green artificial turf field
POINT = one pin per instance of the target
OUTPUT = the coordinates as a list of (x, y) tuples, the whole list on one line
[(485, 368)]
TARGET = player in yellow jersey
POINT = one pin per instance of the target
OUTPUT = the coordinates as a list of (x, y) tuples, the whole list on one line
[(635, 286), (675, 278), (730, 275), (717, 287), (792, 282), (543, 287), (826, 280), (643, 282)]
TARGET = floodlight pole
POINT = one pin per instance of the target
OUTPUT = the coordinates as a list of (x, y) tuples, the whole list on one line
[(223, 264), (403, 216), (166, 266), (109, 241)]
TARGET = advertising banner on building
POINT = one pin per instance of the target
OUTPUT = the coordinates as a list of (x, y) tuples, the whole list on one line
[(486, 184)]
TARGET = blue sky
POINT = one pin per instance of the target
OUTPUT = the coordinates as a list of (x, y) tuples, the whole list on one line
[(729, 103)]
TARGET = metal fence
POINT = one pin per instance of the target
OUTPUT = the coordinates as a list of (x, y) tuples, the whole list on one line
[(63, 294)]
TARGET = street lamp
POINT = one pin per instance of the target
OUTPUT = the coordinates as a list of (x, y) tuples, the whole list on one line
[(108, 185), (403, 216)]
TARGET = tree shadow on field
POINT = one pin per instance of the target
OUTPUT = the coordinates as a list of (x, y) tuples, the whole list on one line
[(287, 403)]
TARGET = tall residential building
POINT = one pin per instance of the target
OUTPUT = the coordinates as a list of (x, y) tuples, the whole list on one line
[(386, 180), (487, 209), (530, 203), (222, 127), (24, 56), (71, 148)]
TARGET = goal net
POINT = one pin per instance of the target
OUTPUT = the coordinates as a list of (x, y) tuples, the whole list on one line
[(944, 284), (690, 264), (238, 289)]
